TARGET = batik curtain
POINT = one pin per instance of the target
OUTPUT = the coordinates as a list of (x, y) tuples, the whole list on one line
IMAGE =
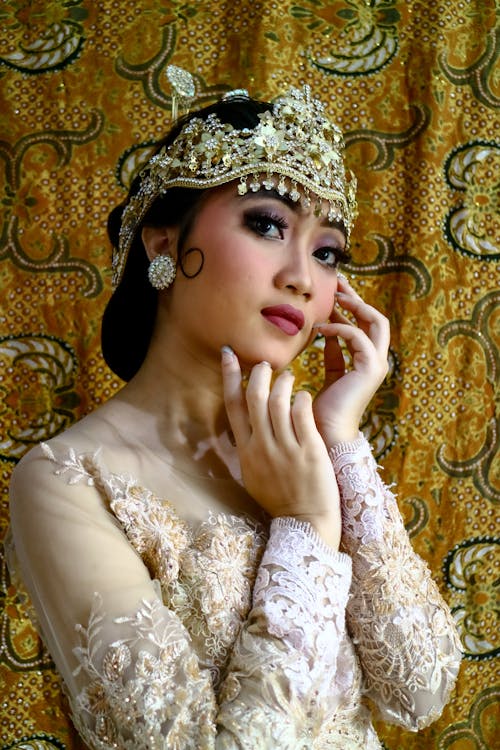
[(415, 86)]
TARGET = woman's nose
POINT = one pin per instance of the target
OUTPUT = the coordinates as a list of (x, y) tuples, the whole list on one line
[(295, 273)]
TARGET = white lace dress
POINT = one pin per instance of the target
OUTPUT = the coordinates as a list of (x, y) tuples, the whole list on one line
[(230, 635)]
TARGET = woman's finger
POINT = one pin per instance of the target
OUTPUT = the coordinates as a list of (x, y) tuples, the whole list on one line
[(361, 310), (280, 410), (365, 356), (257, 398), (343, 285), (303, 420), (368, 318), (234, 398)]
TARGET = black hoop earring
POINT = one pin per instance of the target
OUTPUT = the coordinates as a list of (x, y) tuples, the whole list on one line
[(185, 255)]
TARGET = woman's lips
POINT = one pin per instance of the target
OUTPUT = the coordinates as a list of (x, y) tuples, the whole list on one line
[(287, 318)]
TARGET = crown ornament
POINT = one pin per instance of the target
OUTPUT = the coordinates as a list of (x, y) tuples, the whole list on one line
[(183, 89), (294, 149)]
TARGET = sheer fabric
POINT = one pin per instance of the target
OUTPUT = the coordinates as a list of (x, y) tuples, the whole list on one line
[(229, 635)]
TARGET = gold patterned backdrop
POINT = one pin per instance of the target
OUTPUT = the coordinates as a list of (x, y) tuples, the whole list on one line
[(416, 87)]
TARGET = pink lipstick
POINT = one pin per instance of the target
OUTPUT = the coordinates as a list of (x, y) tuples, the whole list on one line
[(287, 318)]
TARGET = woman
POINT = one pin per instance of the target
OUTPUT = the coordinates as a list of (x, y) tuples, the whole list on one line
[(181, 543)]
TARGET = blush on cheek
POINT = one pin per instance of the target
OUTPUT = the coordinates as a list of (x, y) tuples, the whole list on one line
[(329, 308), (325, 299)]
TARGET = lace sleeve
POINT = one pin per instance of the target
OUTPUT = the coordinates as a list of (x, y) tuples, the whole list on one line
[(145, 685), (141, 683), (281, 685), (404, 633)]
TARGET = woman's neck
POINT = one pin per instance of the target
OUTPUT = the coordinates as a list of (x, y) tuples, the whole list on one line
[(175, 404)]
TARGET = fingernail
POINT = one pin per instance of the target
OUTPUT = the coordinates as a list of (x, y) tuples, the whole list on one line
[(227, 352), (265, 362), (319, 325)]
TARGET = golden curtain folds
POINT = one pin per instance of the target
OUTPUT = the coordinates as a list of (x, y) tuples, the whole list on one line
[(416, 87)]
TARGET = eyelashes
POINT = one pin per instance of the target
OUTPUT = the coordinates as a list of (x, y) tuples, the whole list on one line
[(340, 256), (331, 256), (266, 223)]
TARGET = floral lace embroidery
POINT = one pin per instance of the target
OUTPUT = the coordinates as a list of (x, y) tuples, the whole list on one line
[(144, 686), (213, 593), (302, 591), (293, 681), (363, 493), (153, 527), (206, 579), (287, 685), (145, 690), (395, 613)]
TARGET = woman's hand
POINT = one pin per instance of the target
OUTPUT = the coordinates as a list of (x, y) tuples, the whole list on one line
[(284, 461), (339, 406)]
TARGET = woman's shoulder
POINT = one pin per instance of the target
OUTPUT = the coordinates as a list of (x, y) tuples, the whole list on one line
[(40, 469), (96, 431)]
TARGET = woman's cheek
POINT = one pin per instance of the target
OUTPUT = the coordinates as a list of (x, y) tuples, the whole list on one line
[(312, 337), (328, 304)]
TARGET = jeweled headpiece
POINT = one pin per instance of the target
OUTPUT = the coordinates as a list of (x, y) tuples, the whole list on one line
[(294, 149)]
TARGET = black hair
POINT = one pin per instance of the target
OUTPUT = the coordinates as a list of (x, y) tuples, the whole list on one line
[(130, 315)]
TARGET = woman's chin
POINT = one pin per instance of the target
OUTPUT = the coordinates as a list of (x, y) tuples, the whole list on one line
[(279, 356), (277, 363)]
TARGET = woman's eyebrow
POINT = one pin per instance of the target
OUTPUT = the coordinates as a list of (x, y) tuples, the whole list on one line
[(263, 193), (296, 207)]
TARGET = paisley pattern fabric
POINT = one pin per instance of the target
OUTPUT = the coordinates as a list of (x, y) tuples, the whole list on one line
[(83, 94)]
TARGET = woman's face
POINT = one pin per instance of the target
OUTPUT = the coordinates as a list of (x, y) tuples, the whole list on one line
[(269, 274)]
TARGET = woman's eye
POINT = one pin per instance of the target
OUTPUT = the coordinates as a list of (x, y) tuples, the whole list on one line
[(266, 225), (329, 256)]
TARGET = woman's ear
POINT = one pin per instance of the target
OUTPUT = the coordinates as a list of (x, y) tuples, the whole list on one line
[(160, 241)]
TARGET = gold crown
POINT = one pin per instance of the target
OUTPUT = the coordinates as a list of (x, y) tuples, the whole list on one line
[(294, 149)]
